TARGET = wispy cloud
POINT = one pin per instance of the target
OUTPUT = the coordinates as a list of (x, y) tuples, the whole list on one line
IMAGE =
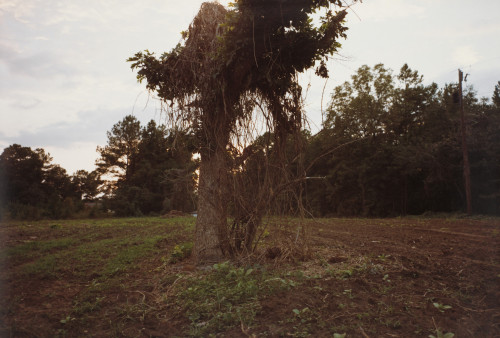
[(381, 10), (465, 55), (27, 103), (72, 143), (87, 126), (21, 10)]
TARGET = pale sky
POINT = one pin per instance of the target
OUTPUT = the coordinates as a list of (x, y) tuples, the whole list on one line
[(64, 80)]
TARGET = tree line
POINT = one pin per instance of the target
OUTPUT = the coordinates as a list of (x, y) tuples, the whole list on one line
[(142, 170), (389, 145), (32, 187)]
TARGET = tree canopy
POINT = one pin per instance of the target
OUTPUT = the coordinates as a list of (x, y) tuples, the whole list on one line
[(33, 187), (116, 157), (391, 146), (151, 169)]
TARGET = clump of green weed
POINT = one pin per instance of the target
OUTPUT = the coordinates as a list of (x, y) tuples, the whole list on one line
[(180, 252), (226, 296), (440, 334), (441, 307), (305, 320), (88, 305), (346, 270)]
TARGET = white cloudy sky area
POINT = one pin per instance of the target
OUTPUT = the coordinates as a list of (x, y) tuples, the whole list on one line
[(64, 81)]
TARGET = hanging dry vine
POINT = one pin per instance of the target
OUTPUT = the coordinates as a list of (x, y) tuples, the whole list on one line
[(235, 65)]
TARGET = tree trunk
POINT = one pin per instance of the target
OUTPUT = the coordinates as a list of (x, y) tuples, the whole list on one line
[(211, 234), (211, 243)]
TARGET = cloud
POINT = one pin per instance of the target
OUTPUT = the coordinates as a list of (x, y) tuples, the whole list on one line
[(64, 80), (28, 103), (20, 9), (88, 126), (465, 55), (39, 65), (73, 143), (381, 10), (29, 53)]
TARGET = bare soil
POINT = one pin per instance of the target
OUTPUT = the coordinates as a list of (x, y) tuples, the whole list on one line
[(401, 277)]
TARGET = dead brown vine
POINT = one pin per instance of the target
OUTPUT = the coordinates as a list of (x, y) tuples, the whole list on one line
[(232, 65)]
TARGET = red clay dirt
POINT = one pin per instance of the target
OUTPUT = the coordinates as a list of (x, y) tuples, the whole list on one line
[(406, 266), (408, 277)]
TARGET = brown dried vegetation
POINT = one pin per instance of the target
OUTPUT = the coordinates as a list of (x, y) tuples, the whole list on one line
[(237, 65)]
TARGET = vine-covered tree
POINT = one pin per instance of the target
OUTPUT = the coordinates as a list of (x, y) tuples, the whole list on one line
[(232, 62)]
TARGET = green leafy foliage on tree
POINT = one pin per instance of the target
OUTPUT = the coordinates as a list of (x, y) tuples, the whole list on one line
[(390, 146), (32, 187), (484, 155), (115, 161), (496, 95), (154, 169), (87, 184)]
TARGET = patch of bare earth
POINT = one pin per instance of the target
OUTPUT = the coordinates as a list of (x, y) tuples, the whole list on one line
[(366, 278), (397, 277)]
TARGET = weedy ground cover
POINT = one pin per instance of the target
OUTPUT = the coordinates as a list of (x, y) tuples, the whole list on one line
[(133, 277)]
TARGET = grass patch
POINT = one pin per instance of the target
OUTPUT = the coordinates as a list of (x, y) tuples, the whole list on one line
[(83, 248), (44, 267), (35, 248), (225, 297), (129, 254)]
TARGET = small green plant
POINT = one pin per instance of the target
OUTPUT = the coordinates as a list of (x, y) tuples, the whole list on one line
[(305, 320), (339, 335), (127, 255), (395, 324), (362, 315), (348, 293), (384, 289), (67, 320), (441, 307), (440, 334), (383, 257), (180, 252), (298, 312), (323, 262), (88, 305), (341, 274)]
